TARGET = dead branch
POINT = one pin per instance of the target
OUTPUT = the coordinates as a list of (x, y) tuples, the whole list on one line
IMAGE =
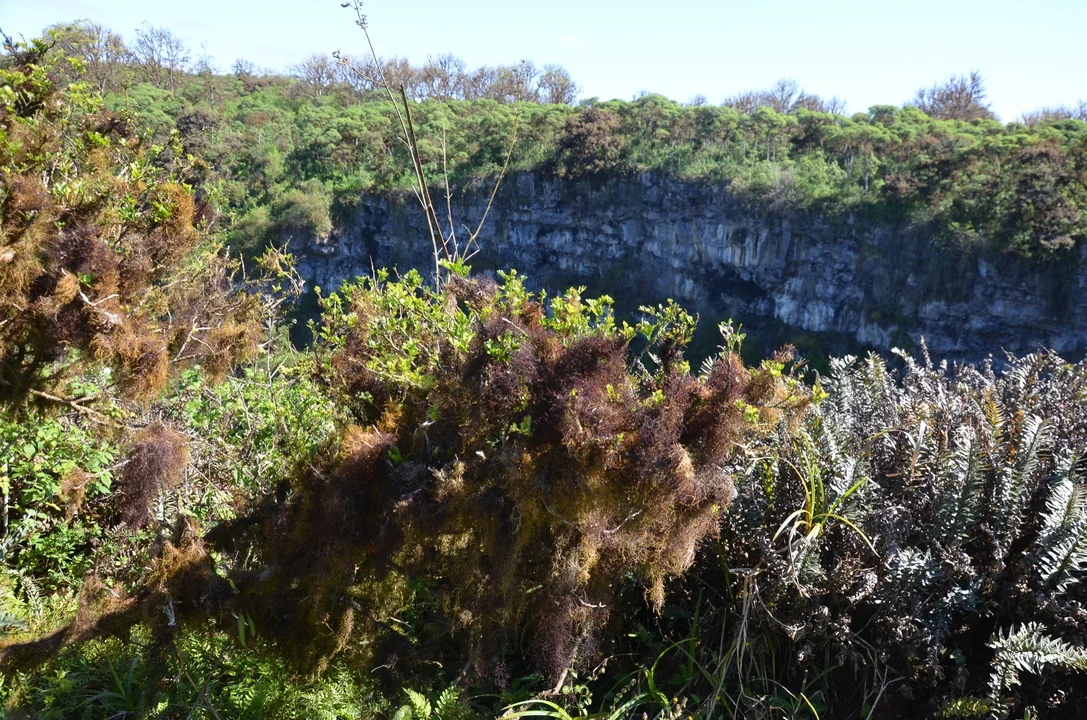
[(92, 414)]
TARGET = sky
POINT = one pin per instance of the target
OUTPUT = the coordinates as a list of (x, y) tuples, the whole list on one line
[(1032, 53)]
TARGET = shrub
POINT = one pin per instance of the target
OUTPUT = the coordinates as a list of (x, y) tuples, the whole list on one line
[(156, 463), (303, 212), (591, 144), (100, 251), (920, 543), (496, 447)]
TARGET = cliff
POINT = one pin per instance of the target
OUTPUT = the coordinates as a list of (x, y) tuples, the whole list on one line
[(854, 284)]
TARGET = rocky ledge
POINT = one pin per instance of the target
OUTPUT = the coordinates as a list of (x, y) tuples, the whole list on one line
[(648, 239)]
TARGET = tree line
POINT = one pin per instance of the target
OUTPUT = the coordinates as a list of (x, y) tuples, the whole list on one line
[(285, 154), (155, 55)]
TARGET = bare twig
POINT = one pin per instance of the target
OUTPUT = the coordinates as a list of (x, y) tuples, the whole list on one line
[(494, 192), (421, 192), (445, 247), (417, 160), (448, 185), (74, 404)]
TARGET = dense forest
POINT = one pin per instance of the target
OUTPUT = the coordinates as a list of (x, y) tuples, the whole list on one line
[(467, 500), (283, 155)]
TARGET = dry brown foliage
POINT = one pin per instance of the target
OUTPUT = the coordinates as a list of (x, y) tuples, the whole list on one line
[(511, 497), (73, 491), (100, 251), (155, 463)]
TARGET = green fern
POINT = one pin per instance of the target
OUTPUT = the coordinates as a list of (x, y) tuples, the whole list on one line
[(447, 701), (419, 706), (966, 707)]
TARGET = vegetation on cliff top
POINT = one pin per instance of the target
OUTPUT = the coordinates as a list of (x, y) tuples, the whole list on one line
[(284, 154)]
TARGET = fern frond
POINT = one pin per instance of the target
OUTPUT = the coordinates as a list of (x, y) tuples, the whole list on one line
[(846, 472), (962, 482), (1019, 373), (34, 599), (1028, 649), (1013, 482), (1066, 506), (993, 415), (447, 701), (1061, 547), (911, 365), (707, 366), (420, 705), (1060, 506), (911, 570), (1061, 566), (10, 623)]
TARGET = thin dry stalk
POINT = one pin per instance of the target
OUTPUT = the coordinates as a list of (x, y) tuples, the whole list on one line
[(444, 247)]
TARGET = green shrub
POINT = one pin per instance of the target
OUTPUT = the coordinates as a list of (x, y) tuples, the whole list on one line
[(495, 446), (303, 212)]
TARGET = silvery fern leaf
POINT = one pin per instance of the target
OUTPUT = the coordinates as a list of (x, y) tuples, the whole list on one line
[(1028, 649), (1013, 482), (845, 476), (1066, 506), (1061, 547), (1019, 373), (1061, 565), (911, 365), (708, 365), (10, 623), (961, 484), (911, 571)]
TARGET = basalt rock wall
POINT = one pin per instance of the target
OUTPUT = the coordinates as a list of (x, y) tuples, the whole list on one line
[(647, 239)]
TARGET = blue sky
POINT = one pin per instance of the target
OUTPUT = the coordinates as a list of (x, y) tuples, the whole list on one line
[(1032, 53)]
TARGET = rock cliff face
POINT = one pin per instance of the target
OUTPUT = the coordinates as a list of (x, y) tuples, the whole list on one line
[(649, 239)]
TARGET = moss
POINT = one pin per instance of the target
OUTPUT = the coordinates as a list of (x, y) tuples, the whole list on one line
[(554, 464)]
